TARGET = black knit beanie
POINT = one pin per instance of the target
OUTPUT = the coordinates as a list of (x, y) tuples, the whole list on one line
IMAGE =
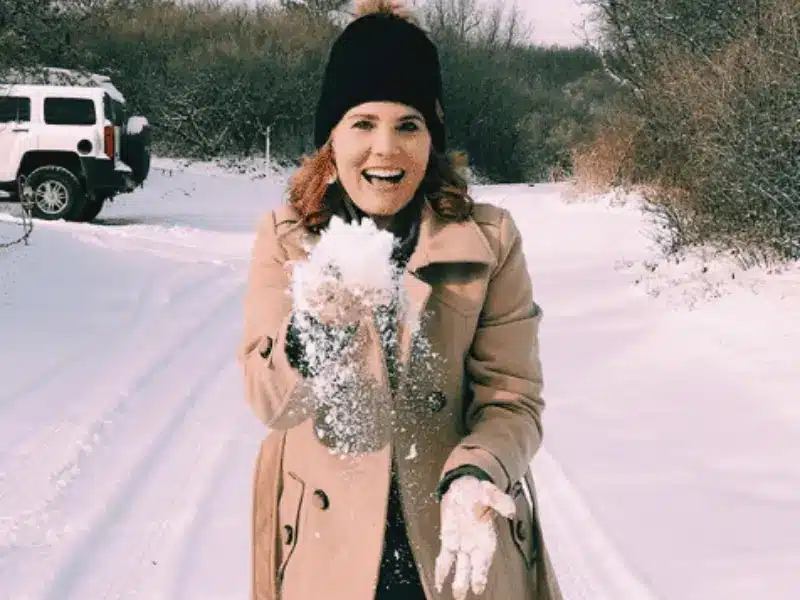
[(381, 56)]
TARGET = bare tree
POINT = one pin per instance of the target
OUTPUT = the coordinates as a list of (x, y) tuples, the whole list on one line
[(497, 24), (318, 7)]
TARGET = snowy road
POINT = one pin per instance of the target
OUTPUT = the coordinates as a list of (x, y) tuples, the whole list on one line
[(123, 461), (126, 448)]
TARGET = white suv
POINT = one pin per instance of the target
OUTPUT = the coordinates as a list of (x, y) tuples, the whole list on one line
[(67, 143)]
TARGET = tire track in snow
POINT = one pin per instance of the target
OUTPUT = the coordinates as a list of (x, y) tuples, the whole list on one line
[(149, 567), (64, 375), (178, 461), (14, 398), (153, 459), (161, 563), (156, 497), (178, 243), (26, 505), (221, 527), (587, 564), (29, 450)]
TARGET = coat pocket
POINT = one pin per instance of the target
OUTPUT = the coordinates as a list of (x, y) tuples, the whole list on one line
[(523, 525), (289, 508)]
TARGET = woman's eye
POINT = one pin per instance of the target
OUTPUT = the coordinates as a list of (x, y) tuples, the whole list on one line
[(406, 126)]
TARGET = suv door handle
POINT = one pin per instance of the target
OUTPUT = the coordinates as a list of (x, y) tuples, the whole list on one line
[(20, 129)]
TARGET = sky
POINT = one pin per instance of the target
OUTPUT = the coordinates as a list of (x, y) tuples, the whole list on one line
[(556, 21)]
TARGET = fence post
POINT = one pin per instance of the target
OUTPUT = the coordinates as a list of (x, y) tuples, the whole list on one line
[(267, 153)]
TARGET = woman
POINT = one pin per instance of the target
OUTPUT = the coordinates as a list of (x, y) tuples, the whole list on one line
[(434, 484)]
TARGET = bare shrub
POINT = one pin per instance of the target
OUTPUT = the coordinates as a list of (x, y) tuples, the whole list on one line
[(606, 161), (718, 138)]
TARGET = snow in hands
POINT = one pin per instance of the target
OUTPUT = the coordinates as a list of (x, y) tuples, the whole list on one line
[(469, 537), (349, 273), (349, 268)]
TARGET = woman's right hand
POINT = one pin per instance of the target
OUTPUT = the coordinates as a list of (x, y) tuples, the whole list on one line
[(326, 297), (334, 305)]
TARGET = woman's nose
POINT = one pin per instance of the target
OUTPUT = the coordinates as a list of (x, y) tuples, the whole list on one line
[(385, 141)]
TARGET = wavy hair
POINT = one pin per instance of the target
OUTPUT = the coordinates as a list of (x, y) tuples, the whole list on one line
[(317, 201)]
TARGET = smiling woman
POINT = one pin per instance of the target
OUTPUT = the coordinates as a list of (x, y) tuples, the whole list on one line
[(381, 137), (403, 416)]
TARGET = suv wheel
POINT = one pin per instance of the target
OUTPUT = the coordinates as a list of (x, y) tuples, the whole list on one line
[(54, 193)]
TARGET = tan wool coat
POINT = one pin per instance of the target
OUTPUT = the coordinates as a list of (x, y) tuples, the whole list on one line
[(469, 393)]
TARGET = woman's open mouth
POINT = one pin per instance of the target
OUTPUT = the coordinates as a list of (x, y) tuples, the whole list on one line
[(392, 176)]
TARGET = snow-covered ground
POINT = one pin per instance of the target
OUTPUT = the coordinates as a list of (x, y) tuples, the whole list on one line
[(670, 468)]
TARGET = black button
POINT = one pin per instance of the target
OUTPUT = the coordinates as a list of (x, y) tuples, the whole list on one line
[(265, 347), (436, 401), (320, 500), (288, 534)]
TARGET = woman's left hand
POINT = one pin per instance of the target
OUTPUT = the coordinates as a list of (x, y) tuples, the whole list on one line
[(469, 538)]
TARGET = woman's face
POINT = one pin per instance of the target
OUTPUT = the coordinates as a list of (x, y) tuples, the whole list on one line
[(381, 152)]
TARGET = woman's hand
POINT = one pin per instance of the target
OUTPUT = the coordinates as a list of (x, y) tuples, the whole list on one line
[(326, 297), (333, 304), (468, 535)]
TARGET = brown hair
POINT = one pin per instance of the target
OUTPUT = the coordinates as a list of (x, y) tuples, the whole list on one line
[(310, 194)]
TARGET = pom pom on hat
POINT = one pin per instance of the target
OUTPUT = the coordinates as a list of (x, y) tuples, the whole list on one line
[(397, 8)]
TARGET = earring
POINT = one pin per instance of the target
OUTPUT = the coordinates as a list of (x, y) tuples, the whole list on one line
[(332, 178)]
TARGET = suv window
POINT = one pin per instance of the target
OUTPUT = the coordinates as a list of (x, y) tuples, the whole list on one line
[(15, 109), (69, 111)]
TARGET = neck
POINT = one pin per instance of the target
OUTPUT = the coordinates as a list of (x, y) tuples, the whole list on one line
[(398, 224), (383, 221), (356, 214)]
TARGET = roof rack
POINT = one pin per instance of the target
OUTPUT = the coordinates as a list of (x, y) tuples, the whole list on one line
[(60, 77)]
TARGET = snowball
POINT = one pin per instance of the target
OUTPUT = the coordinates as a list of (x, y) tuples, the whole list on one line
[(357, 255)]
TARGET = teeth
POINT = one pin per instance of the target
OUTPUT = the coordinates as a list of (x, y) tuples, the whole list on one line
[(387, 173)]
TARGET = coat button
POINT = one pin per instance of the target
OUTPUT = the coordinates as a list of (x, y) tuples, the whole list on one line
[(522, 533), (288, 534), (436, 401), (320, 500), (265, 347)]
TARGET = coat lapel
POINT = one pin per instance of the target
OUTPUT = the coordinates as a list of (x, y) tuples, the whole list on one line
[(417, 292), (439, 242), (443, 241)]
